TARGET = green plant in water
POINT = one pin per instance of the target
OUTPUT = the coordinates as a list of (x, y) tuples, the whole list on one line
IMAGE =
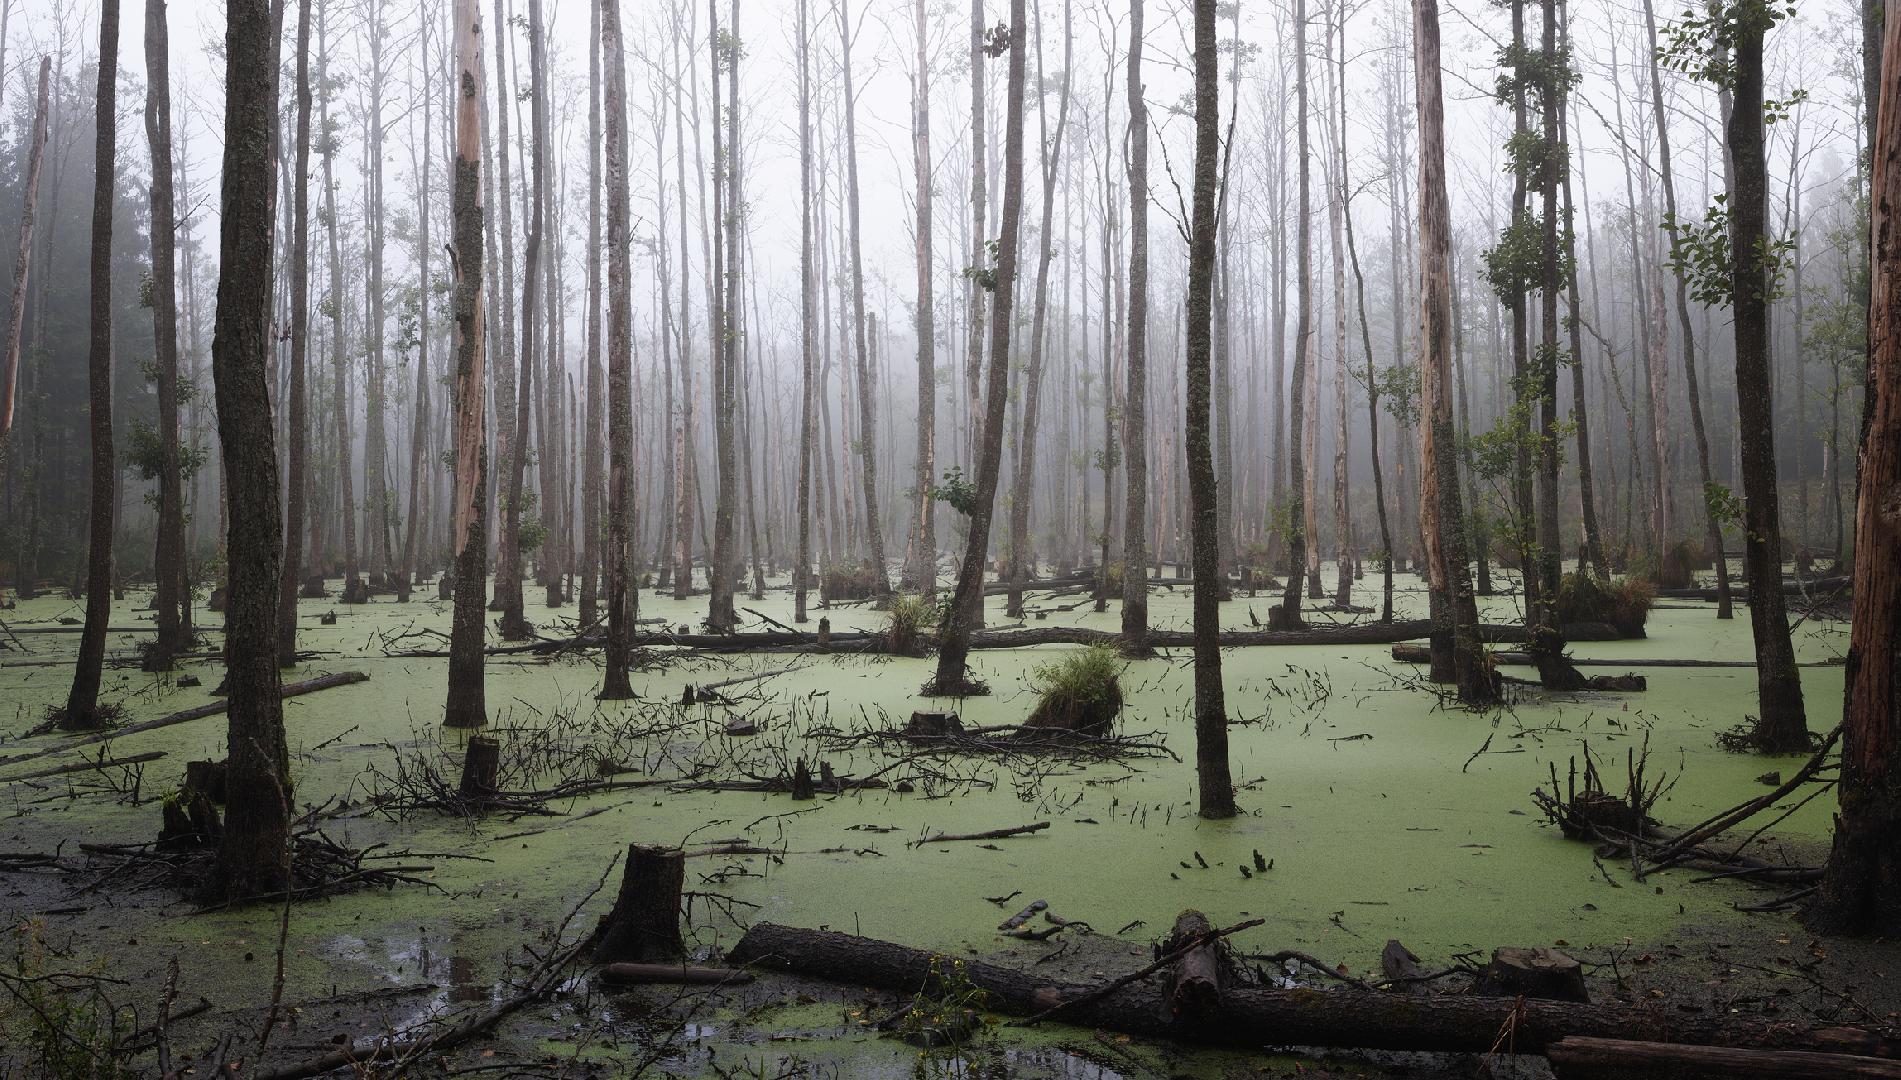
[(910, 615), (1080, 690), (942, 1022)]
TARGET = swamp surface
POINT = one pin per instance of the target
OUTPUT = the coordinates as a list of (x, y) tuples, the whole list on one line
[(1384, 815)]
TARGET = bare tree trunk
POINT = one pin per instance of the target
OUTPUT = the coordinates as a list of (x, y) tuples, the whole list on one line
[(254, 854), (808, 325), (1135, 601), (29, 202), (966, 604), (923, 559), (168, 563), (1215, 784), (465, 706), (82, 703), (1051, 145), (1336, 210), (722, 574), (1783, 725), (1713, 525), (975, 272), (554, 542), (1373, 422), (1863, 882), (1446, 551), (620, 351), (591, 429), (297, 422), (867, 413), (1288, 614), (340, 381), (413, 556)]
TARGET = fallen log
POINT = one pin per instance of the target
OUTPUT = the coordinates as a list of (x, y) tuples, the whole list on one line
[(309, 686), (1581, 1058), (85, 766), (1740, 593), (993, 834), (1260, 1016), (630, 974)]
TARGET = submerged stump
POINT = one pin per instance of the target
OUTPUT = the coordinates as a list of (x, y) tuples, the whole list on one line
[(645, 923), (481, 767)]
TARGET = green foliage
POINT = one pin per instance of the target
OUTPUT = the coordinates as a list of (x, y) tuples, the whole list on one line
[(1701, 256), (63, 1017), (1725, 505), (943, 1019), (1517, 260), (910, 614), (956, 492), (1087, 674), (1702, 44), (145, 454), (533, 532)]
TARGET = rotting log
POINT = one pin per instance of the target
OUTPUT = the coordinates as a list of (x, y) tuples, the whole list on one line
[(309, 686), (993, 834), (1262, 1016), (631, 974), (1582, 1058), (1194, 983), (86, 766)]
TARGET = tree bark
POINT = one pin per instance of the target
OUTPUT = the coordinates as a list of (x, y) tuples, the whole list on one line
[(923, 559), (1215, 783), (1861, 891), (867, 393), (297, 422), (620, 351), (29, 201), (1135, 582), (596, 416), (1294, 524), (1051, 145), (82, 702), (808, 326), (1446, 546), (465, 706), (722, 574), (1783, 725), (967, 602), (254, 854)]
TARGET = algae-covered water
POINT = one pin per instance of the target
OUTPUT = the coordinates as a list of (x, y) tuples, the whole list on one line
[(1380, 815)]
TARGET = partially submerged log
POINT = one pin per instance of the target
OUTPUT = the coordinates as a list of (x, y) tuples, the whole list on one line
[(645, 923), (1581, 1058), (631, 974), (1261, 1016), (993, 834)]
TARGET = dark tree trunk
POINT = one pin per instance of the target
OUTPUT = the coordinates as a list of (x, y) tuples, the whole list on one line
[(82, 703), (867, 392), (620, 425), (645, 922), (1215, 783), (296, 418), (465, 706), (1547, 647), (1373, 424), (168, 561), (1783, 725), (967, 603), (1135, 598), (1861, 892), (1287, 616), (254, 854), (722, 574)]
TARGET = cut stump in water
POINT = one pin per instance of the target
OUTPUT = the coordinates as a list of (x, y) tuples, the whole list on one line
[(480, 767), (1534, 973), (645, 923)]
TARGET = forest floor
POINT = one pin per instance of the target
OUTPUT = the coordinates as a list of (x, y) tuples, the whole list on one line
[(1385, 816)]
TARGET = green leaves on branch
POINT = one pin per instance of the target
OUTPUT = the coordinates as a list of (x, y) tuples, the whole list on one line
[(1534, 72), (1725, 505), (1517, 262), (956, 492), (1701, 256), (1702, 45)]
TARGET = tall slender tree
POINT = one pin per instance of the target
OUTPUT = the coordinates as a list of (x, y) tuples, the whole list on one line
[(922, 558), (1135, 602), (29, 202), (596, 414), (867, 385), (254, 852), (808, 323), (82, 702), (466, 706), (168, 559), (296, 423), (967, 603), (1215, 784), (1287, 615), (723, 574), (614, 684)]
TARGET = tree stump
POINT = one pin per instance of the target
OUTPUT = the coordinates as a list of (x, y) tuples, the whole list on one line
[(934, 724), (313, 588), (802, 783), (645, 923), (207, 778), (1399, 964), (1194, 982), (480, 767), (1534, 973), (216, 603), (825, 631)]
